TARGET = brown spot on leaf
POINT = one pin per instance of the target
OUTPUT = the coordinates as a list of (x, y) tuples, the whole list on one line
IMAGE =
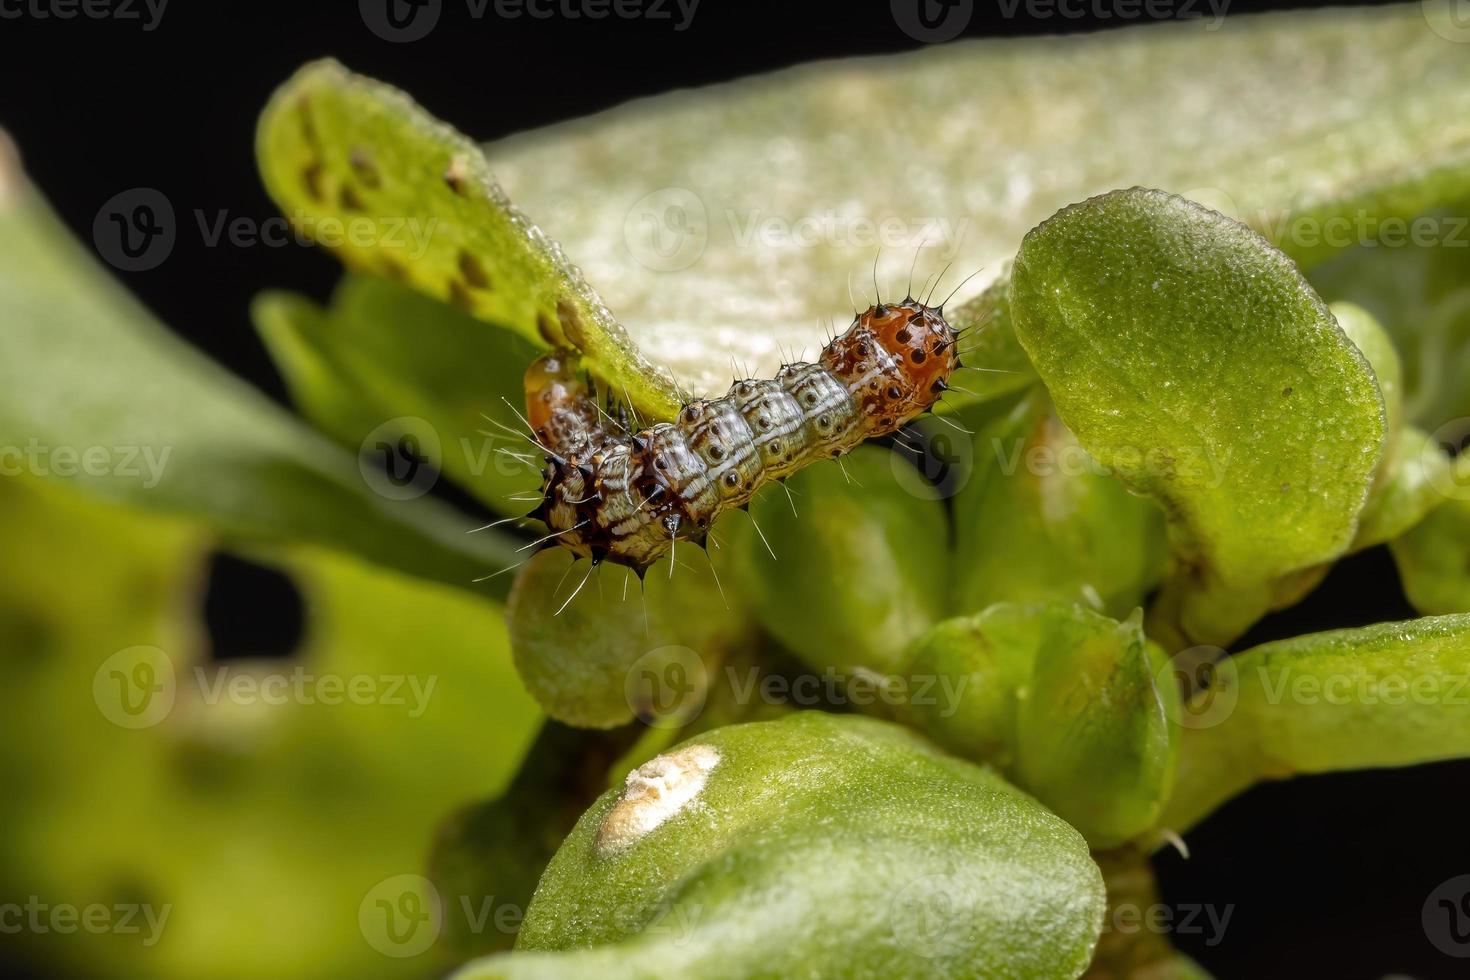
[(311, 179), (473, 272), (348, 198), (460, 296), (363, 166)]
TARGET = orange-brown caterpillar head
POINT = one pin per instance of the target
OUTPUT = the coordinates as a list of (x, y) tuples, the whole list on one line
[(559, 407), (896, 358)]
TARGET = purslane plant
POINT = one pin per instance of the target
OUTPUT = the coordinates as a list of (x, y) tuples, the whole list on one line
[(1196, 395)]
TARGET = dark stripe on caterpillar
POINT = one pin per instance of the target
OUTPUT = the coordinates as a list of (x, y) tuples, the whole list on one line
[(624, 496)]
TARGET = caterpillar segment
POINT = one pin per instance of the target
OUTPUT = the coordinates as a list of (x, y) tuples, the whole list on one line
[(628, 496)]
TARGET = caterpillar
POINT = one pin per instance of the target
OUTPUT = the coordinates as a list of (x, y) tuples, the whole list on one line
[(614, 494)]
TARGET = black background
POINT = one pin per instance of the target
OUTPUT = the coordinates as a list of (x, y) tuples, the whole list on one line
[(1326, 876)]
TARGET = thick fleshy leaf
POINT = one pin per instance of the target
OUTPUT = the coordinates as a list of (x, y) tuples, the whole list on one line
[(856, 565), (1388, 695), (1410, 485), (382, 352), (261, 805), (1434, 557), (1039, 519), (99, 394), (360, 168), (1417, 284), (821, 843), (598, 654), (1075, 707), (1095, 736), (729, 222), (1192, 359)]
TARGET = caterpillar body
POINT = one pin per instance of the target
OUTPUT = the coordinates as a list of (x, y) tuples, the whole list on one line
[(628, 496)]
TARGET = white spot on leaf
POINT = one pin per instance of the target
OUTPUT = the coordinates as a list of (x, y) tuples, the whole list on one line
[(653, 793)]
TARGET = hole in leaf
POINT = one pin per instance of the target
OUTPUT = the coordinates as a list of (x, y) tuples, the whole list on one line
[(251, 610)]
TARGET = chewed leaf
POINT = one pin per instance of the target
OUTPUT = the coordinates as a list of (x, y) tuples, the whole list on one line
[(359, 167), (1192, 359), (1385, 695)]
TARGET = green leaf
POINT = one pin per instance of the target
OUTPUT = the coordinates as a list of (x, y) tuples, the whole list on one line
[(1039, 519), (357, 166), (1074, 707), (1409, 486), (262, 800), (856, 563), (86, 373), (1191, 359), (353, 368), (620, 648), (1419, 289), (1095, 737), (1434, 557), (1387, 695), (820, 843)]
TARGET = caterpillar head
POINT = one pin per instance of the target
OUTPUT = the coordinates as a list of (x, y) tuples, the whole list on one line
[(897, 359)]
